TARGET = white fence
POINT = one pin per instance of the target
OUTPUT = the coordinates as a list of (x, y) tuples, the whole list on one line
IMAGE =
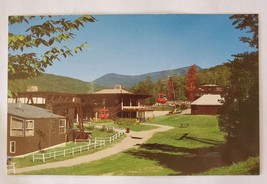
[(110, 139), (11, 169), (98, 142)]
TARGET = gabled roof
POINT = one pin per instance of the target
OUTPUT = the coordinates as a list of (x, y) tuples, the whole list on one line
[(29, 111), (208, 99), (113, 91)]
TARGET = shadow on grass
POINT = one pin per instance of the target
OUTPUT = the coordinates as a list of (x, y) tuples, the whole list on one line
[(192, 160)]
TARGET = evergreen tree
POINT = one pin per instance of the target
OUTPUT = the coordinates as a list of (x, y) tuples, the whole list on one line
[(239, 116)]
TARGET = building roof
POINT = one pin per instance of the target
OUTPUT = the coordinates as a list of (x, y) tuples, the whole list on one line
[(208, 99), (210, 85), (113, 91), (29, 111)]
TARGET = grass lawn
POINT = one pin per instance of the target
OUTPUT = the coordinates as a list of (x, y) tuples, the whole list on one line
[(247, 167), (202, 152), (27, 161), (134, 127)]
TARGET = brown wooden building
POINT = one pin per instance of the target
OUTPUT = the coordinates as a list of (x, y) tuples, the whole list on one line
[(208, 89), (209, 104), (32, 129), (83, 107)]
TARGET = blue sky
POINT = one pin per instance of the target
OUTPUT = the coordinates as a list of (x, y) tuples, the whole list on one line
[(137, 44)]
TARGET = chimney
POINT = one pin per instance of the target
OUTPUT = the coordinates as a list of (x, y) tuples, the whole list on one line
[(117, 86), (32, 88)]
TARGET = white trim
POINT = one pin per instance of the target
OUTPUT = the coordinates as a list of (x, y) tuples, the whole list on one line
[(10, 146), (62, 126), (10, 127), (25, 128)]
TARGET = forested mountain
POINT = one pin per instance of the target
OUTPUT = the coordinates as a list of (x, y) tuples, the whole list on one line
[(54, 83), (146, 85), (111, 79)]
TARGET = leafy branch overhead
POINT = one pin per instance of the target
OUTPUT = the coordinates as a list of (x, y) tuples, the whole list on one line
[(52, 32), (247, 22)]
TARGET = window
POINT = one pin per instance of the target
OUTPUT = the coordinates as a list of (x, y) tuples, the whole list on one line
[(62, 126), (12, 147), (29, 128), (16, 127)]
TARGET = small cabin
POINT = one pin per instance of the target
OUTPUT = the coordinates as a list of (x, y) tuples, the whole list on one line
[(32, 129), (207, 104)]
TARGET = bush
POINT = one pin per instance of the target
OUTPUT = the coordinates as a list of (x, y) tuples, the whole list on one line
[(103, 128), (183, 106), (126, 121), (90, 127)]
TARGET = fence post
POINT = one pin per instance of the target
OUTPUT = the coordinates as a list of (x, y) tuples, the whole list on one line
[(43, 157), (32, 157), (14, 169), (110, 140), (88, 147), (75, 141)]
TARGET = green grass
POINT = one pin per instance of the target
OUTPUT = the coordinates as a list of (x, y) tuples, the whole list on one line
[(133, 127), (27, 161), (204, 129), (136, 127), (202, 152), (114, 165), (247, 167)]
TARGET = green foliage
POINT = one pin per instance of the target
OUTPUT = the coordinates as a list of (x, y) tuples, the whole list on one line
[(52, 31), (90, 127), (250, 22), (240, 113), (215, 75), (145, 87), (126, 121), (54, 83)]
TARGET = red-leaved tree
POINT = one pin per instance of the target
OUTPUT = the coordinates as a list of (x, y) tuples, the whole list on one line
[(191, 82)]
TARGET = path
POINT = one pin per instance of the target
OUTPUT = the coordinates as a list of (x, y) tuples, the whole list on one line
[(127, 143)]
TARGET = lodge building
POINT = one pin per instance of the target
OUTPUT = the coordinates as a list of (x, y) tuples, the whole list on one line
[(70, 107)]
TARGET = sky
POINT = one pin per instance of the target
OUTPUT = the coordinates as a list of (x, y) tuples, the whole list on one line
[(138, 44)]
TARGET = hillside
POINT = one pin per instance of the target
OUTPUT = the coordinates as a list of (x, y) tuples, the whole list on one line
[(55, 83), (111, 79)]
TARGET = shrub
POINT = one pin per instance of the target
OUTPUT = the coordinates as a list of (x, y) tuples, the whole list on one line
[(126, 121), (103, 128), (90, 127)]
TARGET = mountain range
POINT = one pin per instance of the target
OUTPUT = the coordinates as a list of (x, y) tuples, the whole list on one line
[(56, 83), (109, 80)]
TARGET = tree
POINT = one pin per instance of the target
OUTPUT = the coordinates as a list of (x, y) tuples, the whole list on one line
[(250, 22), (191, 82), (23, 62), (239, 116), (145, 87)]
